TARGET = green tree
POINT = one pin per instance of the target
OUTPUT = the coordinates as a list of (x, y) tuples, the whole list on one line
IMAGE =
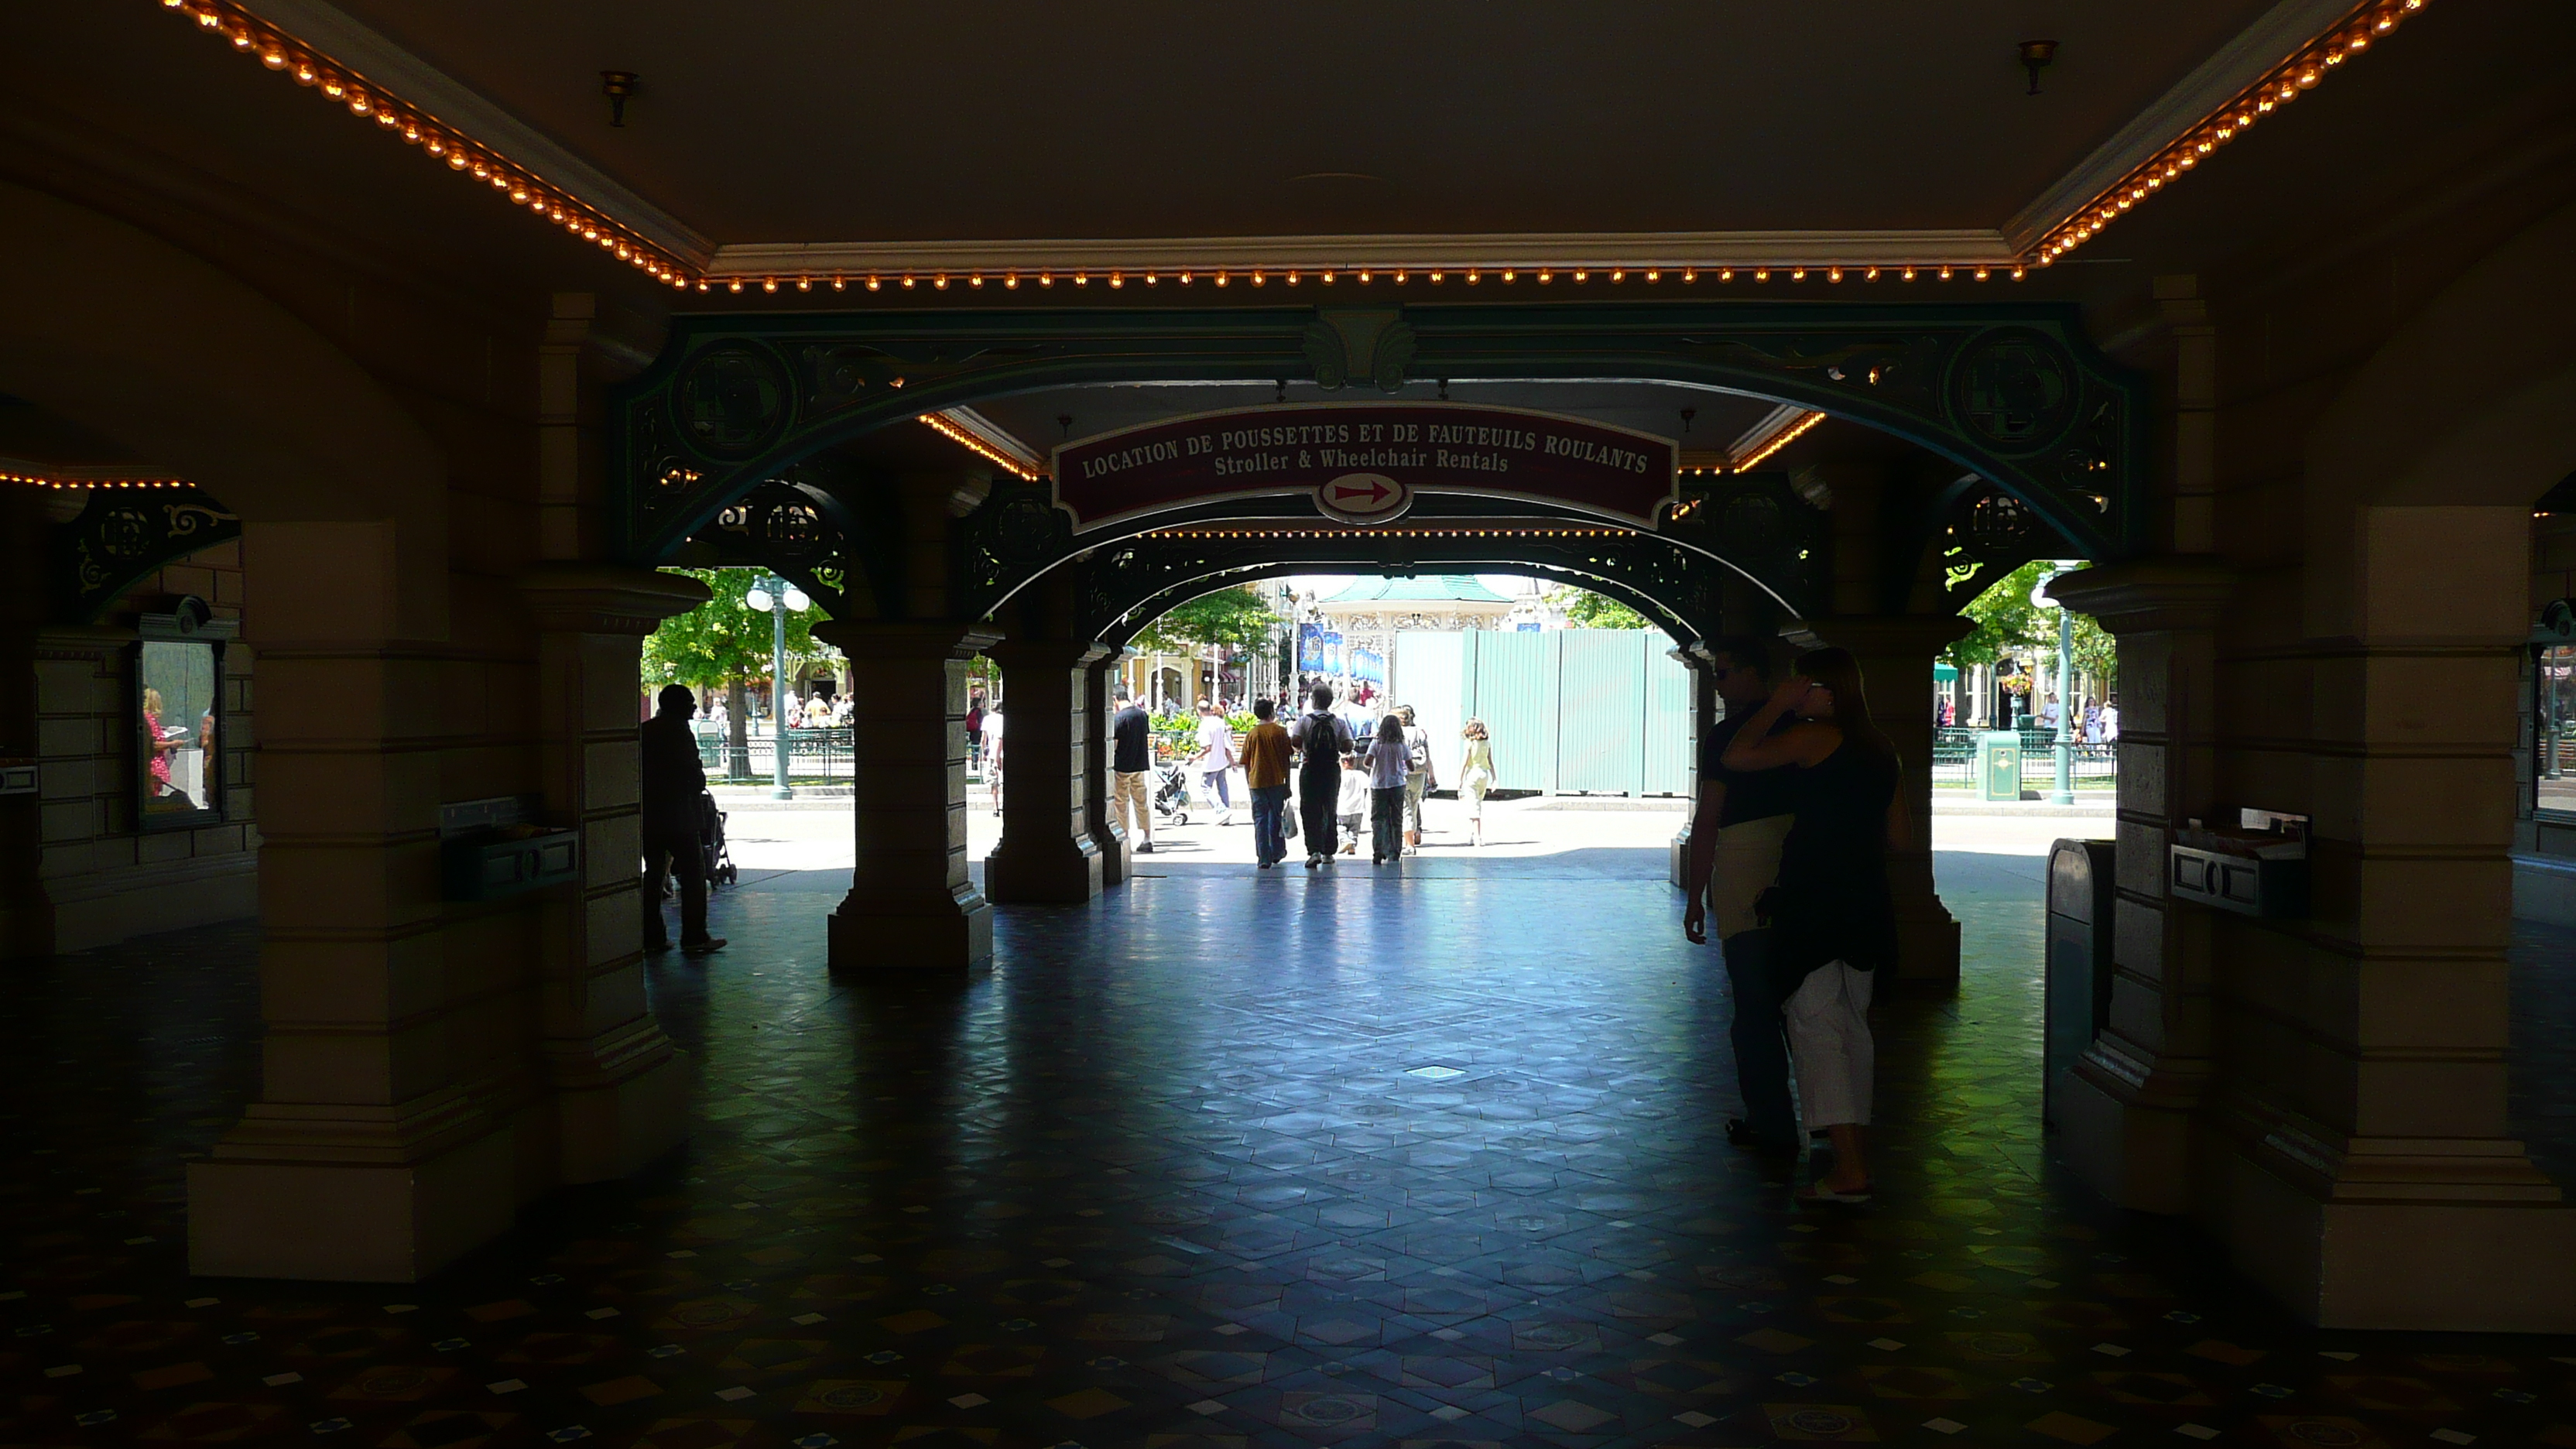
[(1232, 618), (2008, 623), (1585, 609), (721, 643)]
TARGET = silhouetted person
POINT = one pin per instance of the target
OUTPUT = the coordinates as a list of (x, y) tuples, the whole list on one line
[(1321, 740), (1265, 773), (1734, 857), (674, 823), (1833, 921), (1131, 769)]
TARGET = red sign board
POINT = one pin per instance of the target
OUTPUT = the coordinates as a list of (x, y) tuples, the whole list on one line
[(1363, 462)]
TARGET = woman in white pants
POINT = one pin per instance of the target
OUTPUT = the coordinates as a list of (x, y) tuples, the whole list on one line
[(1833, 925)]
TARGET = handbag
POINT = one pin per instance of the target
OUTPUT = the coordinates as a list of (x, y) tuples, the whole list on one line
[(1287, 824)]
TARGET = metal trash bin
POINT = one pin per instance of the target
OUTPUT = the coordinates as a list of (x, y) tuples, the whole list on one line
[(2080, 901), (1999, 756)]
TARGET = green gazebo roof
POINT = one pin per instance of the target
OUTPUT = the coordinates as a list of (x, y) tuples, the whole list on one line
[(1422, 588)]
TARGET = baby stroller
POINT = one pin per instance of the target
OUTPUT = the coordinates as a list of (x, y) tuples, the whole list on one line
[(711, 842), (1172, 796)]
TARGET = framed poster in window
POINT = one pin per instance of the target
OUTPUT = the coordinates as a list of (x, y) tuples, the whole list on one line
[(178, 718)]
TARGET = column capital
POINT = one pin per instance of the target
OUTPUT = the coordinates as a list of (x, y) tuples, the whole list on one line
[(935, 640), (1879, 635), (2144, 595), (598, 598)]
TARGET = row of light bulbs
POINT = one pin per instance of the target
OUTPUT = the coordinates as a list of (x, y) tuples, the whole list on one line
[(282, 53), (1010, 281), (39, 480), (2304, 71), (979, 447)]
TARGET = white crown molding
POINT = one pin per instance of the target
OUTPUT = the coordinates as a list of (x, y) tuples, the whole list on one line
[(993, 435), (1419, 251), (2281, 32), (370, 54)]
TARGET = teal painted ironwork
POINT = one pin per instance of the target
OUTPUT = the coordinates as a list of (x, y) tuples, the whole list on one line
[(2011, 392)]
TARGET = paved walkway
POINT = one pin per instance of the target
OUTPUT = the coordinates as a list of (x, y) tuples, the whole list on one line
[(1407, 1157)]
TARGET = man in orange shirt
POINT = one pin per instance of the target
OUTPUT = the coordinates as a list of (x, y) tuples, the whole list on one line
[(1265, 770)]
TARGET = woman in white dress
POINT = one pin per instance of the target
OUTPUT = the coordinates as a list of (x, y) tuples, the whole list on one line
[(1475, 777)]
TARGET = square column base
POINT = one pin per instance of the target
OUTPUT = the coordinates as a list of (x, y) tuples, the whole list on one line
[(611, 1129), (2448, 1267), (1055, 871), (957, 939), (350, 1222)]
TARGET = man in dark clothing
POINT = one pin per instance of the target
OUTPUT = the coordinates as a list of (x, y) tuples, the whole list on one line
[(674, 789), (1321, 740), (1131, 771), (1734, 856)]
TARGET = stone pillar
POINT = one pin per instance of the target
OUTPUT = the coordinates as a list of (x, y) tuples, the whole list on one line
[(1895, 653), (912, 905), (2124, 1123), (619, 1087), (1046, 854), (2359, 1162), (396, 1074), (1694, 657), (1108, 842)]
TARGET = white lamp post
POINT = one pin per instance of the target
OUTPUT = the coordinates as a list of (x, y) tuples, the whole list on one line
[(2062, 790), (778, 598)]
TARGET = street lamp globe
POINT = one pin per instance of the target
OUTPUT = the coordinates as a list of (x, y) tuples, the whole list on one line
[(758, 600), (797, 603)]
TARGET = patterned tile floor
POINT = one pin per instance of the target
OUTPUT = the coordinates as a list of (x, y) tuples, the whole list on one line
[(1220, 1160)]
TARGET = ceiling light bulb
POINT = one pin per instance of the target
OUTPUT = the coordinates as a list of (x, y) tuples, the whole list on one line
[(769, 284), (1435, 279), (1833, 274), (1220, 279), (940, 282), (874, 283), (1762, 274), (1689, 275), (804, 284), (1046, 279), (1011, 282), (840, 284), (908, 281)]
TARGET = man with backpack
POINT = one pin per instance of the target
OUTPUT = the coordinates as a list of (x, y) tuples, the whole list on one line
[(1418, 776), (1321, 740)]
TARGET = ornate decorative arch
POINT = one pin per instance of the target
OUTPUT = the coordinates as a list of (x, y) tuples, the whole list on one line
[(2012, 392)]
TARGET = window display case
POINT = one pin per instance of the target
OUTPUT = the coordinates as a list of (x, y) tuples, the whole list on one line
[(178, 717)]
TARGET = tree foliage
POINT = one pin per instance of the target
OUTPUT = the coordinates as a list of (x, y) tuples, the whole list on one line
[(720, 642), (1234, 618), (1585, 609), (2008, 624)]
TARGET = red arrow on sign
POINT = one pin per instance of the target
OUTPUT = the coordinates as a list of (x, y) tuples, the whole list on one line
[(1374, 492)]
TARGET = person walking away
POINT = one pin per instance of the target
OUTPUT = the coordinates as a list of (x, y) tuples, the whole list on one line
[(674, 787), (1321, 740), (1265, 774), (1833, 922), (1131, 770), (2111, 720), (1389, 759), (1475, 777), (1351, 808), (1215, 758), (1734, 857), (1418, 776), (975, 729), (993, 752)]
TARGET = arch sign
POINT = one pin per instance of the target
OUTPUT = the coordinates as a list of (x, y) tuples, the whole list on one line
[(1364, 462)]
